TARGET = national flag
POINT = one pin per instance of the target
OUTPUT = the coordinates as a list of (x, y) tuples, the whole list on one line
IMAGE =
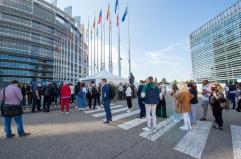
[(100, 17), (125, 14), (108, 12), (116, 5)]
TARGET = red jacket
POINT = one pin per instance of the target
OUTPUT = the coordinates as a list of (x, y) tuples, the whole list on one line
[(65, 92)]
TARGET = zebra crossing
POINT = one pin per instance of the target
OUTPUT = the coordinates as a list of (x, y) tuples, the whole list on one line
[(192, 143)]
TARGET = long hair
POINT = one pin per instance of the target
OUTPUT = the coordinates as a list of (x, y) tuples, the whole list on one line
[(183, 87)]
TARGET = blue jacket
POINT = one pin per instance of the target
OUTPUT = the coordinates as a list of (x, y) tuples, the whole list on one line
[(105, 93), (151, 94)]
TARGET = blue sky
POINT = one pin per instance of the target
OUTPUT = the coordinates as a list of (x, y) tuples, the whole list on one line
[(160, 32)]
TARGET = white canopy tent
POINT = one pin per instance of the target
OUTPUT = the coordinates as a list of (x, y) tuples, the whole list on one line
[(107, 75)]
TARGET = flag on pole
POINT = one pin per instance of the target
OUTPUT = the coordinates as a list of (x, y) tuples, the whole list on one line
[(125, 14), (97, 32), (110, 23), (117, 19), (116, 5), (100, 17), (108, 12), (94, 23)]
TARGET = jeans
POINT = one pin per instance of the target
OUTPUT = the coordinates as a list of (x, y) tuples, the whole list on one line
[(193, 113), (205, 104), (186, 119), (82, 101), (142, 107), (232, 99), (7, 125), (107, 110), (77, 99), (151, 115)]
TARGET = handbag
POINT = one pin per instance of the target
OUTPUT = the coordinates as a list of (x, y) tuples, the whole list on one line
[(8, 110)]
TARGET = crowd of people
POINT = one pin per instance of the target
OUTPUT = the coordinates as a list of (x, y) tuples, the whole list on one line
[(151, 100)]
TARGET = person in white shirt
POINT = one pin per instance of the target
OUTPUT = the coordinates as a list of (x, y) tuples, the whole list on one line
[(206, 92), (129, 97), (71, 86)]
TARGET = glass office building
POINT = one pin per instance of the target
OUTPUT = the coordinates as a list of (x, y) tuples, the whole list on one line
[(215, 47), (38, 41)]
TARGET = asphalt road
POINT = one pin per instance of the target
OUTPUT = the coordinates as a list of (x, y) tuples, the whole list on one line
[(81, 136)]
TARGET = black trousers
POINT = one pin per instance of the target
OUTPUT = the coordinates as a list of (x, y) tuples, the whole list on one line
[(92, 97), (47, 103), (30, 98), (72, 98), (142, 107), (36, 103), (98, 99), (129, 102), (217, 113), (239, 106)]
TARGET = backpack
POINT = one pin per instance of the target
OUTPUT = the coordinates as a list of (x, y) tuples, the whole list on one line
[(112, 92), (94, 91), (47, 92)]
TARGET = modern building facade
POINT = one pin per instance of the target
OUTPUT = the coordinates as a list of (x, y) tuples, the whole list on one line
[(38, 41), (216, 47)]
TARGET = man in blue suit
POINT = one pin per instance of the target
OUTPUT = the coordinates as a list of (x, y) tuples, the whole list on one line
[(106, 100)]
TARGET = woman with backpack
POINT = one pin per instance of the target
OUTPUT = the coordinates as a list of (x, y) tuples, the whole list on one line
[(76, 93), (152, 95), (161, 107)]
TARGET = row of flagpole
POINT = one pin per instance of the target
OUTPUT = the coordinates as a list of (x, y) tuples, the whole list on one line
[(92, 37)]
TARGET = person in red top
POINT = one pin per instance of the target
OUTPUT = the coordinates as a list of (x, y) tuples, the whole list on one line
[(65, 97)]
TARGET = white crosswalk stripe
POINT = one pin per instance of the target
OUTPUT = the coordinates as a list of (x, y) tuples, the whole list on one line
[(122, 116), (148, 134), (194, 141), (236, 139), (102, 109), (162, 128), (114, 111), (130, 124)]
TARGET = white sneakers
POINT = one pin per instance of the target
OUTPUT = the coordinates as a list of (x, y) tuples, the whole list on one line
[(186, 128), (150, 129), (146, 129)]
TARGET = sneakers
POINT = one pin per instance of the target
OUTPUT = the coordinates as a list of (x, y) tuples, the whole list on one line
[(24, 134), (61, 112), (11, 136), (185, 128), (203, 119), (67, 112), (154, 129), (106, 122), (79, 109), (146, 129)]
